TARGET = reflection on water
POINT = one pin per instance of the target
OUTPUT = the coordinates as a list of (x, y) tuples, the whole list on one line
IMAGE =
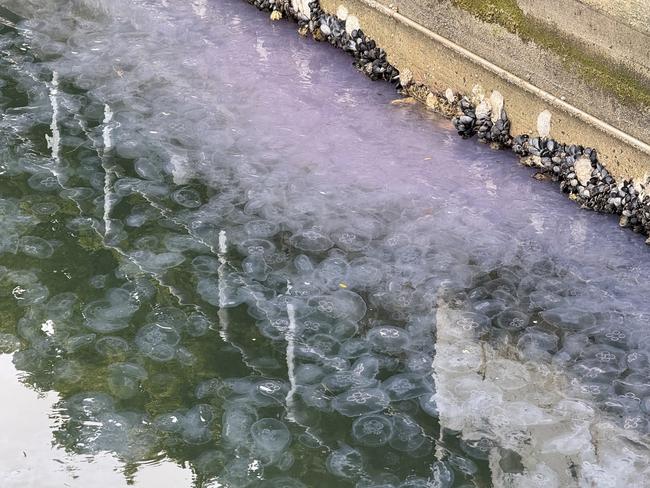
[(209, 260)]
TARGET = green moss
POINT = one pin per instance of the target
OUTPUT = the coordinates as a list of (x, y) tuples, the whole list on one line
[(616, 78)]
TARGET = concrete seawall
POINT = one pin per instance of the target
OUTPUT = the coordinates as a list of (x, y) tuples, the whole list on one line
[(587, 62)]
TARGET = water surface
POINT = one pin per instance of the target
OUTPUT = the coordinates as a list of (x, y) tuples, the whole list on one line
[(224, 254)]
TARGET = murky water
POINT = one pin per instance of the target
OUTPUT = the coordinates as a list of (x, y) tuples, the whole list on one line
[(226, 259)]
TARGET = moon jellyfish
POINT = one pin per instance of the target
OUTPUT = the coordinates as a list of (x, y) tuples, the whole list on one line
[(43, 181), (168, 316), (196, 424), (182, 243), (87, 406), (345, 462), (365, 273), (187, 197), (462, 464), (205, 265), (169, 422), (311, 241), (308, 374), (157, 341), (372, 430), (317, 347), (105, 316), (147, 169), (340, 305), (112, 347), (360, 401), (350, 241), (405, 386), (478, 448), (197, 324), (442, 475), (157, 263), (474, 323), (255, 266), (242, 472), (98, 281), (77, 342), (270, 436), (428, 404), (36, 247), (388, 339), (124, 379), (45, 208), (316, 397), (354, 348), (512, 320), (236, 423), (261, 229), (407, 433)]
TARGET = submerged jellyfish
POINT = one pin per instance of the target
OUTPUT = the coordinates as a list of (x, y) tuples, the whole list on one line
[(372, 430), (345, 462), (407, 433), (405, 386), (311, 241), (36, 247), (157, 341), (340, 305), (270, 435), (388, 339), (360, 401)]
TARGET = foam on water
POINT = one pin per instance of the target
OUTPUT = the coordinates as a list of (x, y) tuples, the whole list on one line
[(222, 243)]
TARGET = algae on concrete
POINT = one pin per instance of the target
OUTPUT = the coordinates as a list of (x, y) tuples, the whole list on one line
[(624, 84)]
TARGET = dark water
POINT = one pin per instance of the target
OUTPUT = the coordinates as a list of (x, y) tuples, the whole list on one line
[(227, 259)]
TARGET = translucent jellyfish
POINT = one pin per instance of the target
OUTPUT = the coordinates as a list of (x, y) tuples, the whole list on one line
[(340, 305), (112, 347), (365, 273), (61, 306), (537, 344), (168, 316), (372, 430), (269, 392), (45, 208), (106, 316), (354, 348), (242, 472), (405, 386), (270, 435), (303, 264), (182, 243), (415, 482), (98, 281), (36, 247), (124, 379), (147, 169), (470, 322), (333, 271), (407, 433), (345, 462), (428, 404), (351, 240), (360, 401), (463, 464), (205, 265), (419, 363), (308, 374), (88, 405), (196, 424), (236, 424), (442, 475), (169, 422), (317, 347), (187, 197), (68, 371), (316, 397), (157, 341), (197, 324), (344, 380), (255, 266), (157, 262), (512, 320), (256, 247), (261, 229), (479, 448), (568, 318), (44, 181), (210, 388), (388, 339), (311, 241)]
